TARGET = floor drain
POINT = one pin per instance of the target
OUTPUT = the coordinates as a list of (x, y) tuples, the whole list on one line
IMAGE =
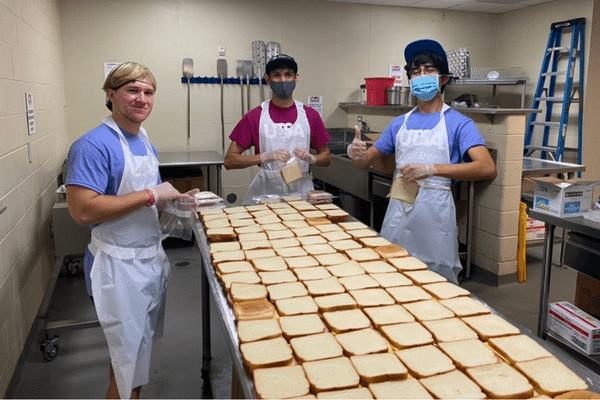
[(182, 264)]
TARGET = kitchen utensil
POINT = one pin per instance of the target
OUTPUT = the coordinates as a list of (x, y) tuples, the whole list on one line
[(273, 49), (239, 71), (259, 54), (397, 96), (247, 70), (188, 71), (222, 73)]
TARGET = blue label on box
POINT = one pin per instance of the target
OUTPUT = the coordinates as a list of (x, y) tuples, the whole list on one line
[(572, 207), (542, 203)]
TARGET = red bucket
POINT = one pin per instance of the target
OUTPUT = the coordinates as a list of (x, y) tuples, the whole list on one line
[(377, 90)]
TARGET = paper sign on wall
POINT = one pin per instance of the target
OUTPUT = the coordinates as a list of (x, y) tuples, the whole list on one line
[(316, 102), (396, 71), (109, 66), (30, 113)]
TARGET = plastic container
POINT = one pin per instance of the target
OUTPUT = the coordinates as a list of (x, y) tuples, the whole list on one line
[(377, 90)]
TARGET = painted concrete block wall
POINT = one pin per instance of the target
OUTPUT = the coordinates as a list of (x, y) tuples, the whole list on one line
[(30, 61)]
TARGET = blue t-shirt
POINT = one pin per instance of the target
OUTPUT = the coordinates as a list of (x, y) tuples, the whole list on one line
[(462, 133)]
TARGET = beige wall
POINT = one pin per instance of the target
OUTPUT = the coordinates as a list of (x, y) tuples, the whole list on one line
[(30, 61)]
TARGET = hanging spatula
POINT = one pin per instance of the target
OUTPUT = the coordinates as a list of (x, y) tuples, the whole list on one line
[(188, 71), (222, 73), (247, 69), (240, 72), (259, 54)]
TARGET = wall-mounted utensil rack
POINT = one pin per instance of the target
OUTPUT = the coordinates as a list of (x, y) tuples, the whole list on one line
[(216, 79)]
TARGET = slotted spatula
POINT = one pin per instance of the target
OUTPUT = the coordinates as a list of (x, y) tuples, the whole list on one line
[(222, 73)]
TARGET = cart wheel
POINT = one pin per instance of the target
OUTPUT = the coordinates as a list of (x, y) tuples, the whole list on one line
[(50, 349)]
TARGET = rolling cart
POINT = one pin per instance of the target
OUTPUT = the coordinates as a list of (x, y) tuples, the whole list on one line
[(70, 242)]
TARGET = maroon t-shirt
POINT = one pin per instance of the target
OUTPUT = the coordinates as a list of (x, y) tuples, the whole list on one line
[(246, 134)]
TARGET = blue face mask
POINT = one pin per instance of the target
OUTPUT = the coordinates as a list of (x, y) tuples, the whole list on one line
[(425, 87)]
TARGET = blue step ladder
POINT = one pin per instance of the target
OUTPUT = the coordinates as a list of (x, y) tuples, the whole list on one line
[(548, 92)]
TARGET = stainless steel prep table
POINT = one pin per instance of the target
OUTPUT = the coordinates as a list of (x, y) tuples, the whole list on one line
[(210, 283), (538, 167), (194, 159), (578, 225)]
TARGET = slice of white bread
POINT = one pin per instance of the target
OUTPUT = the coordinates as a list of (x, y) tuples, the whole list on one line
[(269, 264), (296, 305), (387, 315), (217, 223), (291, 217), (363, 341), (424, 277), (348, 268), (406, 389), (403, 336), (331, 259), (371, 297), (242, 237), (271, 278), (501, 381), (224, 246), (296, 223), (348, 226), (291, 198), (236, 209), (254, 228), (356, 393), (287, 233), (378, 267), (240, 215), (241, 291), (263, 212), (335, 235), (450, 330), (266, 353), (465, 306), (259, 329), (363, 254), (391, 279), (277, 226), (259, 253), (428, 310), (550, 377), (407, 294), (301, 325), (231, 255), (281, 382), (312, 239), (491, 325), (238, 223), (452, 385), (346, 244), (234, 266), (346, 320), (391, 251), (469, 353), (327, 206), (322, 287), (315, 347), (362, 233), (316, 249), (245, 276), (252, 310), (255, 244), (329, 227), (518, 348), (335, 302), (267, 219), (302, 262), (356, 282), (307, 231), (301, 204), (445, 290), (331, 374), (424, 361), (379, 367), (336, 215), (407, 263), (314, 221), (313, 214), (286, 290), (374, 241), (285, 242), (311, 273)]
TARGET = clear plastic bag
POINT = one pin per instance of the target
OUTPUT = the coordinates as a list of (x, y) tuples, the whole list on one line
[(177, 218)]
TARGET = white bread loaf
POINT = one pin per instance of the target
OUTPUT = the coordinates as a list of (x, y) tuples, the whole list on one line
[(259, 329), (286, 290), (291, 217), (217, 223), (424, 361), (312, 221), (301, 325), (238, 223), (346, 320), (327, 206), (452, 385), (291, 172), (231, 255), (236, 209), (331, 374), (267, 219), (301, 205), (263, 212), (403, 336), (501, 381), (450, 330), (314, 214), (275, 226), (241, 215), (387, 315), (338, 215), (379, 367), (281, 382), (315, 347), (409, 389), (363, 341)]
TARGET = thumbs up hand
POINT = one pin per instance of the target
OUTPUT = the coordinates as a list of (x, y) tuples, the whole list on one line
[(358, 148)]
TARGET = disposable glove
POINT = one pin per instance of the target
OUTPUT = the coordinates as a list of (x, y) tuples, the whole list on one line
[(165, 191), (277, 155), (357, 149), (417, 171), (304, 155)]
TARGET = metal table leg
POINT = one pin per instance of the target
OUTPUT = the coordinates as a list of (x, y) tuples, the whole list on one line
[(206, 351), (545, 284), (470, 228)]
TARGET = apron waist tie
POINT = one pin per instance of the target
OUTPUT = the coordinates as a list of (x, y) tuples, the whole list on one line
[(123, 253)]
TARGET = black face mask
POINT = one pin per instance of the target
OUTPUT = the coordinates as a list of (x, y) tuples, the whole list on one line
[(283, 90)]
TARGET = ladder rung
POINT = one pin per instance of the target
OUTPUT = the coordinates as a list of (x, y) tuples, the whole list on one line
[(555, 98), (545, 123), (557, 73), (542, 148), (560, 48)]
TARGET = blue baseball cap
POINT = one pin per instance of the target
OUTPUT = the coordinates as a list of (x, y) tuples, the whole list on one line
[(427, 46)]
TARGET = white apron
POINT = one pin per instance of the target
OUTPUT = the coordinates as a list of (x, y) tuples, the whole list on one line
[(130, 273), (273, 137), (426, 229)]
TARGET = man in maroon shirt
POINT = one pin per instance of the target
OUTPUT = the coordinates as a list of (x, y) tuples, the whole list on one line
[(282, 131)]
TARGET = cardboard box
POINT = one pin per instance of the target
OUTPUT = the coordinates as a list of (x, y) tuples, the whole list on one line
[(587, 294), (575, 326), (187, 184), (562, 198), (535, 229)]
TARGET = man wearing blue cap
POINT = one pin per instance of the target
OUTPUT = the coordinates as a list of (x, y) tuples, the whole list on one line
[(432, 145)]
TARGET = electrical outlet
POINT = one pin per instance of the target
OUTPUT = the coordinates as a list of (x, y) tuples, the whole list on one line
[(359, 118)]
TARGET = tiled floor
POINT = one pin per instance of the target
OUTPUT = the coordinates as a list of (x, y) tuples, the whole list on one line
[(81, 368)]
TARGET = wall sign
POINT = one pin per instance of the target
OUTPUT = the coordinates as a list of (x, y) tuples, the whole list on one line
[(30, 113)]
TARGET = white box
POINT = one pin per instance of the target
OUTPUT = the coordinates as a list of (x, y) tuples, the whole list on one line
[(562, 198), (575, 326)]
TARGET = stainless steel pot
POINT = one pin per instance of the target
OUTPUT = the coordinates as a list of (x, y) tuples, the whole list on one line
[(398, 96)]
